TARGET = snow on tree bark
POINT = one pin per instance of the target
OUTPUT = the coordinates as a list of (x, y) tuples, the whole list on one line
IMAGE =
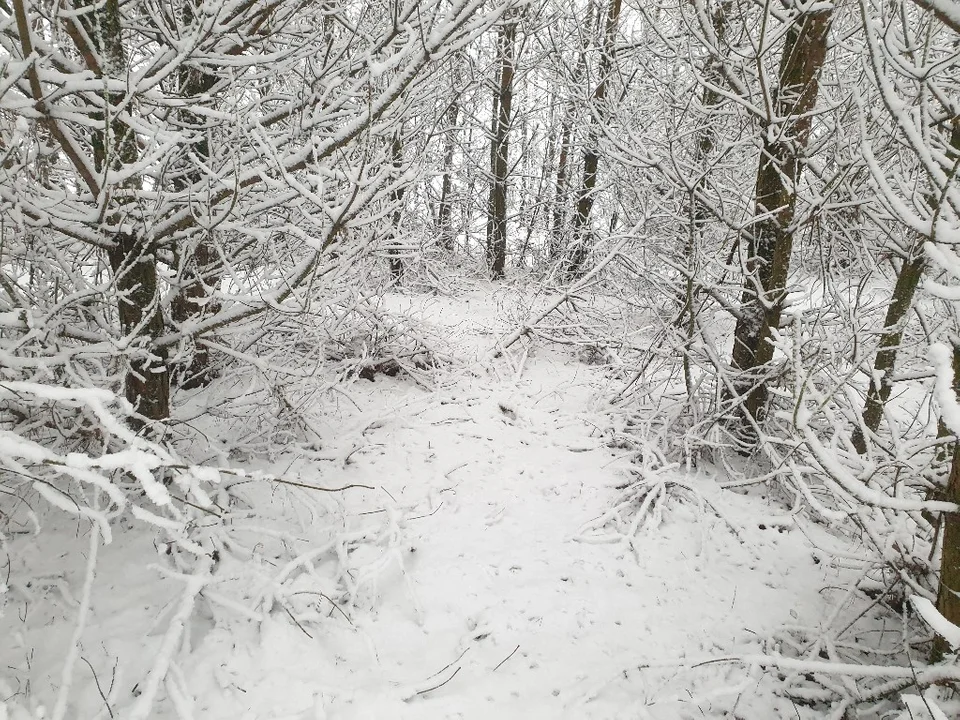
[(132, 257), (499, 152), (581, 237), (948, 594), (767, 260)]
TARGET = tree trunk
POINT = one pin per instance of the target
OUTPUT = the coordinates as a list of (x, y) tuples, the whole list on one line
[(768, 254), (948, 596), (444, 215), (147, 384), (580, 230), (560, 194), (132, 260), (444, 208), (499, 168), (198, 265), (908, 280), (396, 199)]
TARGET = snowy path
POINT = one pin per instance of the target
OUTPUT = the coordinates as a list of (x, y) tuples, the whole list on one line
[(500, 605), (488, 594)]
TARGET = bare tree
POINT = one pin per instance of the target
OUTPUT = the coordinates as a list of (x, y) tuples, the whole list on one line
[(396, 199), (913, 263), (496, 252), (227, 192), (767, 260), (580, 232), (113, 183), (445, 203)]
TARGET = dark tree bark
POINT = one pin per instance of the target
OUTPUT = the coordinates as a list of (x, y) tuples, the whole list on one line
[(948, 596), (445, 206), (580, 230), (499, 153), (132, 260), (908, 280), (557, 237), (768, 252), (147, 384), (396, 199), (198, 263)]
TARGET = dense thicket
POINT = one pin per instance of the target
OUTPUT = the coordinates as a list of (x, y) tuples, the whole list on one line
[(774, 186)]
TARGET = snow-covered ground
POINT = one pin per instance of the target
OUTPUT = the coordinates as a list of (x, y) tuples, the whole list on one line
[(489, 590)]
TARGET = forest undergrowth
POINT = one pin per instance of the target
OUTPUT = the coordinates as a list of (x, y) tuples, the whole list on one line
[(288, 507), (466, 359)]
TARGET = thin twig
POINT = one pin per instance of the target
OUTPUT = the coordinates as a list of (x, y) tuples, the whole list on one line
[(295, 621), (420, 517), (452, 470), (252, 477), (437, 687), (99, 689), (447, 666), (506, 658), (327, 598), (196, 507), (387, 493), (308, 486)]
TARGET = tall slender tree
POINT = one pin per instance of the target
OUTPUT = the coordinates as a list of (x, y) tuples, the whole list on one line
[(767, 260), (97, 32), (197, 261), (599, 114), (396, 200), (909, 275), (496, 250), (445, 203)]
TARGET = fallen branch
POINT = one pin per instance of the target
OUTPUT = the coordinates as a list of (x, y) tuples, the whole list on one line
[(506, 658), (508, 340), (171, 640), (437, 686), (66, 675)]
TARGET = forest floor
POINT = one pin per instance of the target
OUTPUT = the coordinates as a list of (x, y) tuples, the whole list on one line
[(487, 600)]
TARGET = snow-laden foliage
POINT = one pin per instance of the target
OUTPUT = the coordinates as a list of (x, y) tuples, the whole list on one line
[(242, 334)]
